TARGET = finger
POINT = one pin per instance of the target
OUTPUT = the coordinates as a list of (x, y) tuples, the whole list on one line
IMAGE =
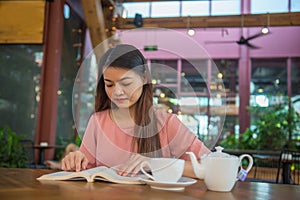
[(127, 171), (84, 163), (135, 170), (122, 170), (77, 162), (67, 163), (63, 165), (132, 166), (71, 163), (128, 167), (119, 169)]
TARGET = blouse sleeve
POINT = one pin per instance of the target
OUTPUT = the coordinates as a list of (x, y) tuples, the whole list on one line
[(182, 140), (88, 144)]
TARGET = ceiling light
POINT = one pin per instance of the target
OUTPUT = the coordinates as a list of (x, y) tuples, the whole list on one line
[(220, 75), (260, 90), (162, 95), (265, 30), (190, 30)]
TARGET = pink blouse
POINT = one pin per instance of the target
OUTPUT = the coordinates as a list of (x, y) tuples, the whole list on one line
[(105, 143)]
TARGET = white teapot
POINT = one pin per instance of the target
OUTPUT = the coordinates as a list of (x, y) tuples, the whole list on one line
[(219, 170)]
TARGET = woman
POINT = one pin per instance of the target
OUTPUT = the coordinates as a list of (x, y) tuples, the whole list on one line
[(125, 129)]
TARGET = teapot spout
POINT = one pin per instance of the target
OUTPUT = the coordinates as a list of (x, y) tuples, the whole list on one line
[(197, 167)]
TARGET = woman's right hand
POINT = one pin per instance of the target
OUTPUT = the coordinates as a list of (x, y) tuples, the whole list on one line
[(74, 161)]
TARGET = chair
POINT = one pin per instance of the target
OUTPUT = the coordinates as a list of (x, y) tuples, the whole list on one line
[(265, 166), (289, 167)]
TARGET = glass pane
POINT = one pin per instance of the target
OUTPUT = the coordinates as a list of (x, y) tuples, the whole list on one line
[(296, 83), (164, 71), (74, 31), (268, 103), (268, 82), (84, 92), (271, 6), (165, 9), (228, 70), (296, 94), (195, 8), (228, 73), (225, 7), (295, 6), (193, 77), (196, 123), (142, 8), (164, 78), (20, 68)]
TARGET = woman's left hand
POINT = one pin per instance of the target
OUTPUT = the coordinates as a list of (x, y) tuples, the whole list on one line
[(132, 166)]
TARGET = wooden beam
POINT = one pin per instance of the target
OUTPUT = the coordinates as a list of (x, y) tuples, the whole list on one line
[(96, 24), (250, 20), (22, 21)]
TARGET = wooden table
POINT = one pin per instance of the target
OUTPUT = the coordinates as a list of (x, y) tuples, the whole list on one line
[(22, 184)]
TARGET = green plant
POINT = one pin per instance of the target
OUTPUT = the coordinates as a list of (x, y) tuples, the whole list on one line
[(247, 140), (273, 128), (12, 152)]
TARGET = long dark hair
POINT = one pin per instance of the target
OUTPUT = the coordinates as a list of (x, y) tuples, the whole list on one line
[(146, 137)]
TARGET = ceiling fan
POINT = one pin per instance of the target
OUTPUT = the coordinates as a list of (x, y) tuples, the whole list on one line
[(243, 40)]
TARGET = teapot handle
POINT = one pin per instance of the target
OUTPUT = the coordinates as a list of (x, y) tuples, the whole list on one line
[(243, 172)]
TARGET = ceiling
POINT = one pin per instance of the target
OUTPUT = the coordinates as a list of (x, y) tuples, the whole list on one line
[(100, 21), (250, 20)]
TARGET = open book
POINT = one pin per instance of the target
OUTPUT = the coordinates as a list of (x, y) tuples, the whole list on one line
[(101, 173)]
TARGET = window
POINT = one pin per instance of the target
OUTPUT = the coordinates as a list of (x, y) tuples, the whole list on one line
[(74, 32), (295, 74), (295, 6), (207, 7), (271, 6), (164, 77), (141, 8), (193, 77), (195, 8), (165, 9), (183, 8), (269, 81), (227, 73), (225, 7), (20, 68)]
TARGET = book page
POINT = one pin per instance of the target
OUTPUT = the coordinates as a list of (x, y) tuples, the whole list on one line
[(112, 176), (90, 172), (63, 175), (98, 173)]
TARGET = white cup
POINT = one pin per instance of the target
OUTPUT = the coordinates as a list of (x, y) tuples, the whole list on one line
[(164, 169)]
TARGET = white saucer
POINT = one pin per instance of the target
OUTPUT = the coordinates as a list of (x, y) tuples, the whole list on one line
[(178, 186)]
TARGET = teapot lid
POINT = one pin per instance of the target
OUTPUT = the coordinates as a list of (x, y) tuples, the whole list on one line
[(219, 154)]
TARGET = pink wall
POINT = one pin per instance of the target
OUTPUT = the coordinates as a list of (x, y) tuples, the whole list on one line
[(282, 42)]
